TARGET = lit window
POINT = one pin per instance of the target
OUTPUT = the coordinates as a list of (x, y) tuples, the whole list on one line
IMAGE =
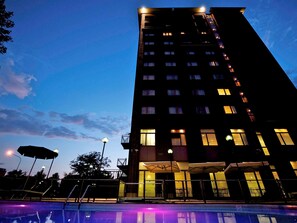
[(149, 53), (294, 166), (219, 185), (284, 137), (213, 63), (203, 33), (147, 137), (251, 115), (169, 53), (192, 64), (148, 93), (202, 110), (225, 56), (148, 77), (224, 91), (167, 34), (229, 109), (218, 76), (198, 92), (195, 77), (149, 34), (148, 110), (274, 173), (243, 97), (239, 137), (178, 137), (175, 110), (255, 183), (237, 83), (170, 64), (171, 77), (262, 143), (173, 92), (149, 43), (208, 137), (149, 64)]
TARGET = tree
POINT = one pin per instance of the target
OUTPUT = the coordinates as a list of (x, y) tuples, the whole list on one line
[(89, 165), (16, 173), (5, 25)]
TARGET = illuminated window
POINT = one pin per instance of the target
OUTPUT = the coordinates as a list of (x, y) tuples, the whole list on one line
[(167, 34), (147, 137), (149, 64), (255, 183), (294, 166), (229, 109), (208, 137), (243, 97), (148, 93), (175, 110), (148, 77), (239, 137), (224, 91), (192, 64), (169, 53), (170, 64), (173, 92), (218, 76), (199, 92), (262, 143), (148, 110), (178, 137), (202, 110), (203, 33), (219, 184), (251, 115), (149, 53), (171, 77), (213, 63), (149, 34), (195, 77), (225, 56), (284, 137), (274, 173), (236, 81)]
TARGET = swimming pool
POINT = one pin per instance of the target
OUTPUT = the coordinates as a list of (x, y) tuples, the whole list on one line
[(53, 212)]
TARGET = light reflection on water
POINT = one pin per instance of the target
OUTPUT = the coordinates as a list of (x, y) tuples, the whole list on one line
[(147, 213)]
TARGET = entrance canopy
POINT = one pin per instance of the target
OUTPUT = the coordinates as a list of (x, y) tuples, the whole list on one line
[(162, 166), (208, 167), (246, 166), (37, 152)]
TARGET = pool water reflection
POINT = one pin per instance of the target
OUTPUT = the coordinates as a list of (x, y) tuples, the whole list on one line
[(48, 212)]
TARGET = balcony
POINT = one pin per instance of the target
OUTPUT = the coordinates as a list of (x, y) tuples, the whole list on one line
[(125, 141)]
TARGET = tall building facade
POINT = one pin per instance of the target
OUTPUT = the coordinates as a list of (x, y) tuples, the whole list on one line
[(213, 112)]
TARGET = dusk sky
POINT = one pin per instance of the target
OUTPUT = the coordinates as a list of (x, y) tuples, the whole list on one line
[(67, 78)]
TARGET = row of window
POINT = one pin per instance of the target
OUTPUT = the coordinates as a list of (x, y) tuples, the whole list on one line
[(151, 77), (171, 34), (208, 136), (177, 110), (188, 64), (176, 92), (172, 52)]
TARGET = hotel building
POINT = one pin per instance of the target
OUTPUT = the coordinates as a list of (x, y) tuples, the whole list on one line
[(213, 111)]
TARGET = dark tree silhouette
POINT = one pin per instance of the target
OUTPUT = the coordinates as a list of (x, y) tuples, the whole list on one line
[(89, 165), (5, 24)]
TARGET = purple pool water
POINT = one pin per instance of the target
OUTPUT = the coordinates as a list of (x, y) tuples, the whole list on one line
[(51, 212)]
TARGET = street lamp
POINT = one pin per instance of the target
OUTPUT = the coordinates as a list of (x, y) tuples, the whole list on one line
[(170, 153), (104, 140), (11, 153)]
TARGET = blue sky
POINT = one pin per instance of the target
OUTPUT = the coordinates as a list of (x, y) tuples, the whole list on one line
[(67, 79)]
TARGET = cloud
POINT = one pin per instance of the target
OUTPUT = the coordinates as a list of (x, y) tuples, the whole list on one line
[(17, 84), (58, 125)]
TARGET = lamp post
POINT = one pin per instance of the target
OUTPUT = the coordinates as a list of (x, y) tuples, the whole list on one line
[(104, 140), (11, 153), (170, 153)]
